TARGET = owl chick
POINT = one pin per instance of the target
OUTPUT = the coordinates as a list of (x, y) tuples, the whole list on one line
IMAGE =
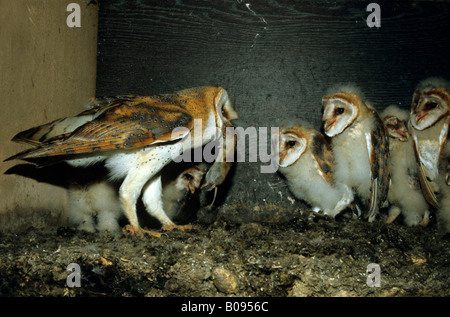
[(136, 136), (360, 145), (96, 206), (429, 121), (307, 163), (405, 195), (176, 192)]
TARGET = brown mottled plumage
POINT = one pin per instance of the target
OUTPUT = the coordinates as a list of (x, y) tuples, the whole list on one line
[(125, 123)]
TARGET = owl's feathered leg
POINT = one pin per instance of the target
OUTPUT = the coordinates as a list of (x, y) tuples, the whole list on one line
[(152, 198), (142, 177), (148, 165), (129, 193)]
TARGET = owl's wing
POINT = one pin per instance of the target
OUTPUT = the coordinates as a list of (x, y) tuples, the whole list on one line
[(428, 152), (62, 127), (321, 151), (124, 124), (429, 188), (378, 147)]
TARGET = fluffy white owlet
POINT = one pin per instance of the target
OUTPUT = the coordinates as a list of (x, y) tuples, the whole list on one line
[(307, 164), (136, 136), (405, 195), (429, 121), (360, 145), (96, 206)]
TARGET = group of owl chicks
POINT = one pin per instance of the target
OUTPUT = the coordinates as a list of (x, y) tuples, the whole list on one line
[(364, 162), (96, 206), (368, 160)]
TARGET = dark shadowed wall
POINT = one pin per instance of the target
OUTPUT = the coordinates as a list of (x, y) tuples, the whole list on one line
[(275, 58)]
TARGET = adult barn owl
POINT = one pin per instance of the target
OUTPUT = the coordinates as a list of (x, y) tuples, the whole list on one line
[(307, 164), (405, 195), (429, 121), (360, 145), (135, 137)]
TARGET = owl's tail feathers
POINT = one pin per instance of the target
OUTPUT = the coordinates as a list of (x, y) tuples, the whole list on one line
[(30, 136), (55, 130)]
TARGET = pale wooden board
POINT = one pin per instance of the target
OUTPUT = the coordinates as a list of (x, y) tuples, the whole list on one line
[(47, 71)]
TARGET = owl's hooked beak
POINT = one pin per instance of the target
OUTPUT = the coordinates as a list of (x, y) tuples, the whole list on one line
[(329, 124), (404, 135), (420, 116), (192, 188), (396, 128)]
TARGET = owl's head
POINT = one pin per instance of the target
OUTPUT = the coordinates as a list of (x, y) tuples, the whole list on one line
[(191, 178), (430, 103), (209, 102), (395, 121), (340, 109), (292, 144)]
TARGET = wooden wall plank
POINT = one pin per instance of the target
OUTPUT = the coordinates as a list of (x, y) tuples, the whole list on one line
[(47, 71)]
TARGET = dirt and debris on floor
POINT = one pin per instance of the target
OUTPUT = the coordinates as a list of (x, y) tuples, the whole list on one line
[(302, 256)]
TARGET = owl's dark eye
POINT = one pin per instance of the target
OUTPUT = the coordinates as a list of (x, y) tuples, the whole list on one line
[(339, 110), (188, 177), (431, 105), (290, 144)]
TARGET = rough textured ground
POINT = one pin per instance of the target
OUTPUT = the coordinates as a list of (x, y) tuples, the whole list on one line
[(303, 256)]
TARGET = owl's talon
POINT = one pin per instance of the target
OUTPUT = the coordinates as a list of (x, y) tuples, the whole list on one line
[(177, 227), (142, 232)]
